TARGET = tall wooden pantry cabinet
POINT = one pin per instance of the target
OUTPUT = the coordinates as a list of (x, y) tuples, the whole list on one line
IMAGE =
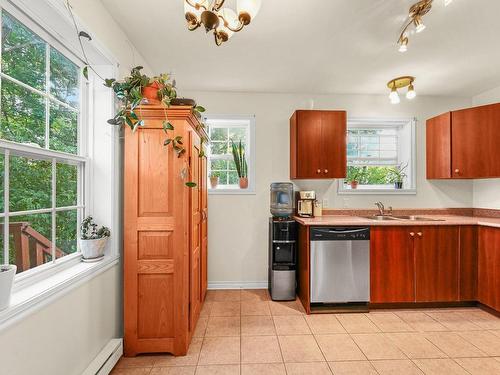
[(165, 232)]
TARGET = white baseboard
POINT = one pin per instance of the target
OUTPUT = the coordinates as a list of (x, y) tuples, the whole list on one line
[(237, 285), (106, 359)]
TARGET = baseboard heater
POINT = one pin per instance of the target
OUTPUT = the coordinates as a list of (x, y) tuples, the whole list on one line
[(106, 359)]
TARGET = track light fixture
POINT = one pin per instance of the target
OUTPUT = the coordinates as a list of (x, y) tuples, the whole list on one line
[(399, 83), (415, 18)]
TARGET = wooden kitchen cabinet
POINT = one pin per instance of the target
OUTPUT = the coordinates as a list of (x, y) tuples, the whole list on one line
[(489, 267), (436, 263), (392, 266), (318, 144), (464, 144), (468, 262)]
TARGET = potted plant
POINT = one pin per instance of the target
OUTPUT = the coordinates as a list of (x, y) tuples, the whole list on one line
[(92, 240), (214, 179), (241, 163), (7, 273), (353, 177), (397, 175)]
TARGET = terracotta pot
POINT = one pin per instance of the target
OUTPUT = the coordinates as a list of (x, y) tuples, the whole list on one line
[(354, 184), (150, 93), (243, 182), (214, 181)]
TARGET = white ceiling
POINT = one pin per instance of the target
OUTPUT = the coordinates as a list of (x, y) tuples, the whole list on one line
[(322, 46)]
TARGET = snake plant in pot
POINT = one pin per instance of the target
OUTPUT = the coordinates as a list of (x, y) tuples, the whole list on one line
[(241, 163), (93, 240)]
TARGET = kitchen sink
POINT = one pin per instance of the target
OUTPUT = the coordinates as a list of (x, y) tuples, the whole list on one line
[(405, 217), (379, 217)]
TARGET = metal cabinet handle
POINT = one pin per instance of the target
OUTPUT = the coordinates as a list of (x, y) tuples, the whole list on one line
[(419, 234), (457, 170), (318, 171), (326, 170), (412, 234)]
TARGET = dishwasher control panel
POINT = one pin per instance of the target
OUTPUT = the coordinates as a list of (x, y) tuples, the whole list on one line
[(340, 233)]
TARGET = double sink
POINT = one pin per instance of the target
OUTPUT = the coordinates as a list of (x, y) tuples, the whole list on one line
[(403, 217)]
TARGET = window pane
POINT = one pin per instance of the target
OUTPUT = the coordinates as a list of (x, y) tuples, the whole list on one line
[(23, 115), (218, 134), (63, 129), (218, 164), (237, 134), (30, 243), (23, 53), (223, 178), (231, 165), (66, 185), (30, 184), (2, 171), (219, 148), (66, 233), (64, 78), (233, 178)]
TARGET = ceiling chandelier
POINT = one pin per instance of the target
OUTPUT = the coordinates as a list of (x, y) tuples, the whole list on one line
[(414, 22), (399, 83), (223, 21)]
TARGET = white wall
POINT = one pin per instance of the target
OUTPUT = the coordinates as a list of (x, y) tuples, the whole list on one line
[(486, 191), (63, 337), (238, 223)]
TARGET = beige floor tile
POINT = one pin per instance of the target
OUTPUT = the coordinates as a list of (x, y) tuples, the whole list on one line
[(255, 295), (218, 370), (454, 321), (223, 326), (300, 348), (482, 319), (263, 369), (324, 324), (220, 351), (257, 325), (190, 359), (357, 323), (484, 340), (496, 332), (225, 308), (286, 308), (139, 361), (224, 295), (415, 345), (453, 345), (389, 322), (420, 321), (291, 325), (339, 347), (255, 308), (396, 367), (131, 371), (439, 367), (376, 346), (353, 368), (316, 368), (184, 370), (260, 349), (480, 366), (205, 309), (201, 327)]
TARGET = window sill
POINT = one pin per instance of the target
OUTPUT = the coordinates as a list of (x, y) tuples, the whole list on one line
[(231, 191), (377, 192), (28, 299)]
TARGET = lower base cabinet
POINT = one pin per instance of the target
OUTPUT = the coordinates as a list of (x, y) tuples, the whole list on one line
[(489, 267), (414, 264)]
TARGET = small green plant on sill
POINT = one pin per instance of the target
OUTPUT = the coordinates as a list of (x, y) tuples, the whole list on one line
[(397, 174), (89, 230)]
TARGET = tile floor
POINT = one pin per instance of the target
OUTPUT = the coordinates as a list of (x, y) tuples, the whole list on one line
[(244, 332)]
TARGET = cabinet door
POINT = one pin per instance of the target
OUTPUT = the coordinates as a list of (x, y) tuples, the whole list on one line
[(392, 265), (468, 262), (438, 146), (334, 144), (195, 231), (436, 264), (204, 228), (475, 139), (309, 144), (489, 267)]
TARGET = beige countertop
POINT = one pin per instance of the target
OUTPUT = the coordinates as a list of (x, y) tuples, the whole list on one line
[(345, 220)]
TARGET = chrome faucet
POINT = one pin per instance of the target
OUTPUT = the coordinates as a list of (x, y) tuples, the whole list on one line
[(381, 208)]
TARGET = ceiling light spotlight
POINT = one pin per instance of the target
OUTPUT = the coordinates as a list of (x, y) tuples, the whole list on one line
[(447, 2), (398, 83), (414, 22), (223, 21)]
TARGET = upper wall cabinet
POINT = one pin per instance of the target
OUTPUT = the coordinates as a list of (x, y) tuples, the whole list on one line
[(464, 144), (318, 144)]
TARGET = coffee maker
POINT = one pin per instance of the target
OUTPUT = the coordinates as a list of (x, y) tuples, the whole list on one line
[(305, 203)]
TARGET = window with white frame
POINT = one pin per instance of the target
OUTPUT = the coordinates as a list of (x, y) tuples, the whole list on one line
[(223, 132), (380, 156), (41, 162)]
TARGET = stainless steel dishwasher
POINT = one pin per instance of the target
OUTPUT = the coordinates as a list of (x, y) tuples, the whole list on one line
[(340, 265)]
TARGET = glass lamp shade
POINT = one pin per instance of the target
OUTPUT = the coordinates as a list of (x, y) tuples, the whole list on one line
[(394, 96), (197, 12), (411, 94), (231, 18), (249, 6)]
